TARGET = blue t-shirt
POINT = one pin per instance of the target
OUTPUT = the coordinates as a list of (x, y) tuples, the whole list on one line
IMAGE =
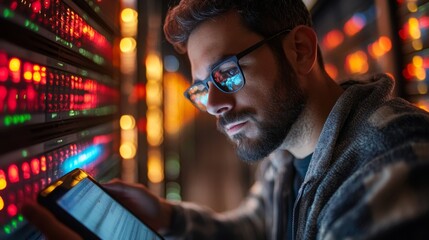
[(300, 169)]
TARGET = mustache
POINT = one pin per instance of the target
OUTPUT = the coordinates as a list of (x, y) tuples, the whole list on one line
[(233, 117)]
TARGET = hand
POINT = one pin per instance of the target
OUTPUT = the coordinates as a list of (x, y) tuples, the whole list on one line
[(154, 211), (46, 222)]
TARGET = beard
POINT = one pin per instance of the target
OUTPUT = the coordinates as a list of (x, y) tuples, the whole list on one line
[(286, 104)]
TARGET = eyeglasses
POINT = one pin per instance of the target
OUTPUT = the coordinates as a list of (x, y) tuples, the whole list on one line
[(226, 75)]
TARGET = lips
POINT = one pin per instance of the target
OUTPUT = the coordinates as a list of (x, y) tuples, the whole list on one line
[(234, 128)]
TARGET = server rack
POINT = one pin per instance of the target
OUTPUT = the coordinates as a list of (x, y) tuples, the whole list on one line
[(59, 98)]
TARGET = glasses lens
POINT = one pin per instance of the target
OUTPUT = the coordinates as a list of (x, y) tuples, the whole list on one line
[(228, 77), (197, 94)]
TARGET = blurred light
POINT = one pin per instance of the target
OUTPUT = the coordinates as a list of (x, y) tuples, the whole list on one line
[(1, 203), (333, 38), (138, 93), (357, 62), (178, 111), (142, 125), (426, 62), (154, 94), (153, 67), (173, 191), (412, 6), (420, 74), (13, 173), (127, 150), (422, 88), (127, 122), (418, 61), (3, 182), (155, 169), (12, 210), (127, 44), (424, 22), (414, 29), (35, 166), (25, 167), (171, 63), (417, 44), (172, 167), (380, 47), (14, 64), (354, 24), (43, 164), (36, 6), (129, 15), (154, 126)]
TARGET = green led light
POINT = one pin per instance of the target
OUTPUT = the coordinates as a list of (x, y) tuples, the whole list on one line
[(54, 115), (24, 153), (7, 13), (7, 121), (20, 218), (16, 119), (30, 25), (86, 53), (7, 229), (14, 224), (63, 42), (98, 59)]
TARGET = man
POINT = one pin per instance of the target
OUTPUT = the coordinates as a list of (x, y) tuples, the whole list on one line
[(341, 162)]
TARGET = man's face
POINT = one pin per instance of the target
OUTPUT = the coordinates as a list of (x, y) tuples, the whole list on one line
[(258, 117)]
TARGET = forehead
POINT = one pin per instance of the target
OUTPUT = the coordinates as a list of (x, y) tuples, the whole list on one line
[(214, 39)]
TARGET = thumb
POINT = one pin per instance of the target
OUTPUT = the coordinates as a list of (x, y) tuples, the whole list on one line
[(46, 222)]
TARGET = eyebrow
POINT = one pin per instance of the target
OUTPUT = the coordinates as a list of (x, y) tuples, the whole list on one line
[(210, 67)]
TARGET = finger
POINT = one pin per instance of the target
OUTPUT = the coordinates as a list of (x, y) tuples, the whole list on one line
[(115, 186), (46, 222)]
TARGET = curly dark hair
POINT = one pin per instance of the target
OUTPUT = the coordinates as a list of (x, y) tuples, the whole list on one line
[(263, 17)]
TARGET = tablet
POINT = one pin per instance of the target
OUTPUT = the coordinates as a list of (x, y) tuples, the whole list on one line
[(78, 201)]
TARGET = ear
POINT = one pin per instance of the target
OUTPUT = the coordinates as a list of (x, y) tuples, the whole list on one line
[(304, 43)]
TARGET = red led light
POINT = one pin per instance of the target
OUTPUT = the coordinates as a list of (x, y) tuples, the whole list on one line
[(13, 173), (11, 100), (12, 210), (36, 6), (46, 3), (35, 166), (3, 94), (3, 67), (36, 188), (25, 167), (4, 73)]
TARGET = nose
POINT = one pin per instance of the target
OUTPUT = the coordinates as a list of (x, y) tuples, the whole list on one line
[(219, 102)]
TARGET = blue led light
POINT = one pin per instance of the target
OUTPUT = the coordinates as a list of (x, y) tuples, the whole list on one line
[(85, 157)]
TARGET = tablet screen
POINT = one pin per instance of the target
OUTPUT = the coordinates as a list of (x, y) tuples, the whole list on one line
[(101, 214)]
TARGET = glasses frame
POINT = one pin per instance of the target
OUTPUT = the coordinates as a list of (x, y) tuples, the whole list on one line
[(234, 58)]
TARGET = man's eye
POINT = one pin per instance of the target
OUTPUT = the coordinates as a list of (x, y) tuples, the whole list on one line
[(230, 72), (223, 75)]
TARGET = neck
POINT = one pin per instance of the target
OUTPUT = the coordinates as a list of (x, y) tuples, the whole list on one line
[(322, 95)]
